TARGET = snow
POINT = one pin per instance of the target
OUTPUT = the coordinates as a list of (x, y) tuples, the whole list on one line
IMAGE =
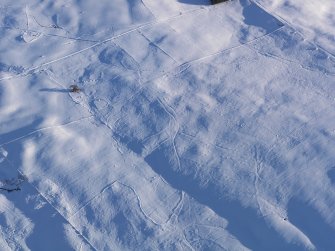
[(197, 127), (313, 19)]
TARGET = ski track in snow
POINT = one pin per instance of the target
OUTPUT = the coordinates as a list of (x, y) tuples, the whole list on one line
[(165, 221), (290, 25), (44, 129), (66, 220), (34, 68)]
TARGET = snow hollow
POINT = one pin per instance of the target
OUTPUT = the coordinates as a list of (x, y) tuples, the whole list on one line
[(167, 125)]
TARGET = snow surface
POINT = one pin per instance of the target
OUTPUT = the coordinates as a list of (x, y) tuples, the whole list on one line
[(197, 127)]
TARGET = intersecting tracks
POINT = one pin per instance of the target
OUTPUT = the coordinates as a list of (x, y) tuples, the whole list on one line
[(33, 69), (182, 66)]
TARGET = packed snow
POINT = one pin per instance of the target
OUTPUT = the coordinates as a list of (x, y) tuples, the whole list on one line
[(195, 127)]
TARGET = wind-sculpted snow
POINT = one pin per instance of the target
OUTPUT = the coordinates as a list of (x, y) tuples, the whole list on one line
[(313, 19), (196, 127)]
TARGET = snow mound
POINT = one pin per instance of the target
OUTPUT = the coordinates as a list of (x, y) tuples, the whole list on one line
[(195, 127)]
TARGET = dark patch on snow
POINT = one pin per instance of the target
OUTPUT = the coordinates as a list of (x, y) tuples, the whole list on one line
[(195, 2), (331, 175), (255, 16)]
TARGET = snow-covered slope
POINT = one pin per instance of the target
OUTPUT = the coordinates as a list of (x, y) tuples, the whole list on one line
[(314, 19), (197, 127)]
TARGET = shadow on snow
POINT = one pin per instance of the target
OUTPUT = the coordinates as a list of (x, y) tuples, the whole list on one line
[(249, 227), (310, 222), (195, 2), (54, 90)]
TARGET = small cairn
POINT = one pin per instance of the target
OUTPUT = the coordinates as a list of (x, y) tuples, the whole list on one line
[(218, 1), (74, 88)]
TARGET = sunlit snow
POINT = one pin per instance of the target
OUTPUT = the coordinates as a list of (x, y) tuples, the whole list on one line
[(196, 127)]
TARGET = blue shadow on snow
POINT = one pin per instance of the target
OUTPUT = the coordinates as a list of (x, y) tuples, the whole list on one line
[(195, 2), (244, 223), (310, 222)]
